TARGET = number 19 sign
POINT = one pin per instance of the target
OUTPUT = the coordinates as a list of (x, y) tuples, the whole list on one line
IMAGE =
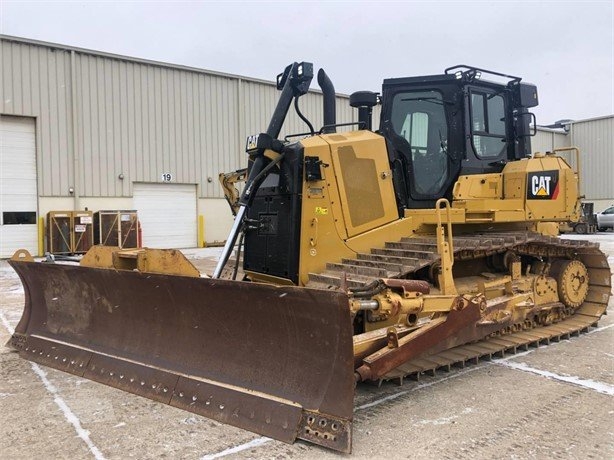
[(167, 177)]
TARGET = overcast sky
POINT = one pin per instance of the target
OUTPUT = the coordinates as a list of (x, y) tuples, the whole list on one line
[(565, 47)]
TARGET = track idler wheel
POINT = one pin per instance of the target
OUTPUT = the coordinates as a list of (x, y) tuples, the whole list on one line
[(572, 281)]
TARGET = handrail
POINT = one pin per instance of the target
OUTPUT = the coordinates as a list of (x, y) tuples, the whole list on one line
[(576, 150), (438, 204), (445, 249)]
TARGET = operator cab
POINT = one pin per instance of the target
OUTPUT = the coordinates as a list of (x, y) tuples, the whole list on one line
[(441, 126)]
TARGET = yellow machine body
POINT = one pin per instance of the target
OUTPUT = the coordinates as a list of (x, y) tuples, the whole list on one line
[(353, 208)]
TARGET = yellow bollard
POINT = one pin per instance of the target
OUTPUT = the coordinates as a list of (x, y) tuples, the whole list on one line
[(201, 231), (41, 236)]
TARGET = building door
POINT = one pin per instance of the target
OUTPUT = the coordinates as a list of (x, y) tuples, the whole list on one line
[(18, 196), (167, 213)]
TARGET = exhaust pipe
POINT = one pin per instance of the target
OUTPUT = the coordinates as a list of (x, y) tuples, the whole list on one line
[(328, 90)]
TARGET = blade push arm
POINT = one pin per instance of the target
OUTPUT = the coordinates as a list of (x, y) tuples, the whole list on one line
[(293, 82)]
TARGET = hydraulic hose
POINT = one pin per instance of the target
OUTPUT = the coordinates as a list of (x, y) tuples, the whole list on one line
[(303, 117), (244, 202)]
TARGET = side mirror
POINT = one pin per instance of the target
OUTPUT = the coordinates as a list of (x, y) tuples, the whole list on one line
[(523, 124)]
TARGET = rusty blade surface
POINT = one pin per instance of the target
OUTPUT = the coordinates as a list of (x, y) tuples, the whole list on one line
[(274, 360)]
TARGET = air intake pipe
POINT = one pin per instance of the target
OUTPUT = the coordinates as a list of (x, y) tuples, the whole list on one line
[(328, 91), (364, 101)]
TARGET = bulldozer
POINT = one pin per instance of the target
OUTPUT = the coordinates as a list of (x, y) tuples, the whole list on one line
[(359, 256)]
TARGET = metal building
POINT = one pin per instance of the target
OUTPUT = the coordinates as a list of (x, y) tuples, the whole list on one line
[(595, 139), (86, 129)]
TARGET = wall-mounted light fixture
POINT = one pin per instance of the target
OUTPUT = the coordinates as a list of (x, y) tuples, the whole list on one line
[(209, 179), (121, 176), (71, 190)]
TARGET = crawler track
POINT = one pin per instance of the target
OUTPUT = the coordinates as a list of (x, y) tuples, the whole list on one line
[(404, 258)]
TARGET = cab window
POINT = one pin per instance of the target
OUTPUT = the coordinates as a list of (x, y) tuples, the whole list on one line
[(488, 124), (419, 118), (415, 129)]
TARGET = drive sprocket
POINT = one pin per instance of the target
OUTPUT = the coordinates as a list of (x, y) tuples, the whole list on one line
[(572, 281)]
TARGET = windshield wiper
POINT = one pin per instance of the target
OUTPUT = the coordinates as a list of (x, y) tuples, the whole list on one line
[(432, 100)]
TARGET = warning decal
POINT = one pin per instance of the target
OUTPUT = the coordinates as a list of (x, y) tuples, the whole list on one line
[(543, 185)]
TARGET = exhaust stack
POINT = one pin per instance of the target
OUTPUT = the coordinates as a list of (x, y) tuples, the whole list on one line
[(328, 90)]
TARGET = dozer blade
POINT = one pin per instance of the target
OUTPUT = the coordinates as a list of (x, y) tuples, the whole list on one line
[(273, 360)]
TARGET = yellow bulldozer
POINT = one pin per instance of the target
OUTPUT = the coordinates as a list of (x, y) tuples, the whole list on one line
[(365, 257)]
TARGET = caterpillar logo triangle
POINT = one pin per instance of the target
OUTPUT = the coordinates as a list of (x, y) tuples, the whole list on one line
[(543, 185)]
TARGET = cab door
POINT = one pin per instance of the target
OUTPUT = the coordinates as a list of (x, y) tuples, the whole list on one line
[(420, 127), (489, 131)]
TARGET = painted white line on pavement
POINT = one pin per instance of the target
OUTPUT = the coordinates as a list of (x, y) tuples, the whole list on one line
[(69, 415), (6, 324), (599, 329), (599, 387), (233, 450), (417, 387)]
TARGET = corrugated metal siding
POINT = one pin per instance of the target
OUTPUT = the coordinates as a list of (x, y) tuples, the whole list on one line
[(596, 141), (35, 82), (595, 138), (138, 119), (143, 121), (548, 140)]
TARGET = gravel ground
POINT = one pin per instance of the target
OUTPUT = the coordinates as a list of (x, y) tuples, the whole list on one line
[(552, 402)]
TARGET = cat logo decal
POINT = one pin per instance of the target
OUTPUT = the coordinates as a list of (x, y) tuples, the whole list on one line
[(543, 185)]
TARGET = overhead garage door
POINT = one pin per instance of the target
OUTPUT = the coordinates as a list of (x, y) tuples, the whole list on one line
[(18, 197), (167, 213)]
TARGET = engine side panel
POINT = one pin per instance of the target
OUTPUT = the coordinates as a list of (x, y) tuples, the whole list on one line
[(350, 196)]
